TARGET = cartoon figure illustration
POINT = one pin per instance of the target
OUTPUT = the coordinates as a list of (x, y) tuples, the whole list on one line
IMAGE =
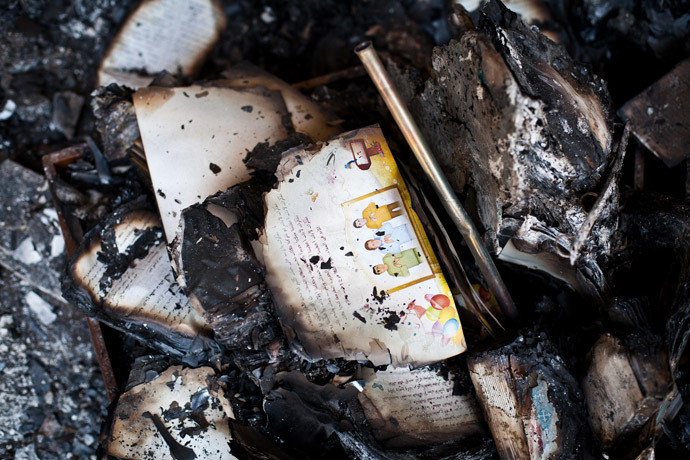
[(414, 329), (399, 264), (439, 303), (361, 154), (389, 239), (440, 319), (416, 309), (374, 216)]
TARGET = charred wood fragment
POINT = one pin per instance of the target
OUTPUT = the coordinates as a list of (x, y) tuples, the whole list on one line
[(660, 117)]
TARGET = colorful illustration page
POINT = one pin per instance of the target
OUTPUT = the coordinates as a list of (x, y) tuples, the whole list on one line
[(348, 263)]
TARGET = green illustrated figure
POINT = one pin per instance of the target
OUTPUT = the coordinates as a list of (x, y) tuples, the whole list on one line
[(399, 264)]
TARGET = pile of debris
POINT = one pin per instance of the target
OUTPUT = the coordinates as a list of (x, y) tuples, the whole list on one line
[(267, 275)]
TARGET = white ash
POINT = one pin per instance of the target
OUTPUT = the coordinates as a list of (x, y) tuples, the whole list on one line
[(50, 387), (39, 307)]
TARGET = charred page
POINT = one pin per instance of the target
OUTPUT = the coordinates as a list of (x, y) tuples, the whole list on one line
[(348, 264), (121, 275)]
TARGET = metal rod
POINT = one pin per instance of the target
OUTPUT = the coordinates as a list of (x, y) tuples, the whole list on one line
[(367, 54)]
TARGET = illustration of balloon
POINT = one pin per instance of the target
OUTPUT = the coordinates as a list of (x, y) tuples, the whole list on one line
[(451, 328), (438, 301), (447, 314)]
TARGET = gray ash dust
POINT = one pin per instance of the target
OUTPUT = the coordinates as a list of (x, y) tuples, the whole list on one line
[(52, 398)]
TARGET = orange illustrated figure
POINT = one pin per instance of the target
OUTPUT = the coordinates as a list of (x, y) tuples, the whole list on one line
[(374, 216)]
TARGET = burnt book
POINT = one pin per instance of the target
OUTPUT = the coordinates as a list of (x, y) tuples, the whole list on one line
[(532, 403), (335, 248), (419, 407), (629, 385), (625, 386), (156, 37), (200, 135), (512, 116), (121, 275), (174, 412)]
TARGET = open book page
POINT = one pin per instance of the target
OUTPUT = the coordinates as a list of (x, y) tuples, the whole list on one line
[(349, 266), (197, 137), (417, 407), (146, 291), (172, 35), (181, 414)]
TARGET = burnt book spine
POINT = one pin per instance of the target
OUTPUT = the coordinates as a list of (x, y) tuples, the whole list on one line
[(531, 402)]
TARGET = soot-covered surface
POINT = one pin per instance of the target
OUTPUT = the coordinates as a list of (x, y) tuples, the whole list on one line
[(53, 400)]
